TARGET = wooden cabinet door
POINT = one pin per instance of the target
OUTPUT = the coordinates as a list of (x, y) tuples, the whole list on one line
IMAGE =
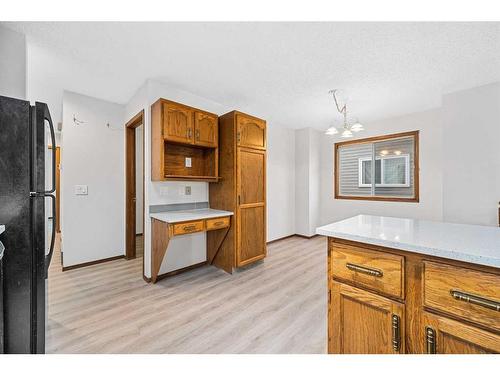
[(177, 123), (361, 322), (251, 206), (447, 336), (205, 129), (251, 132)]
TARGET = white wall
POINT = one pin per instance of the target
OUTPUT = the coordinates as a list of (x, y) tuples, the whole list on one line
[(93, 225), (12, 64), (280, 182), (191, 249), (49, 74), (431, 167), (307, 181), (471, 154)]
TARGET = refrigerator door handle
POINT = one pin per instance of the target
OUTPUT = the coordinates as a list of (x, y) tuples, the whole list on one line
[(46, 116), (48, 257)]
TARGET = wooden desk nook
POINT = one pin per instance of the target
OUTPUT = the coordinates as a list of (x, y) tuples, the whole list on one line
[(229, 153), (165, 225)]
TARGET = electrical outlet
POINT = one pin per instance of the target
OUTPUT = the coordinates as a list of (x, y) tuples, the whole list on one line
[(188, 163), (164, 190), (81, 190), (187, 190)]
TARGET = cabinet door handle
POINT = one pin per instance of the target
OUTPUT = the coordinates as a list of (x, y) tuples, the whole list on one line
[(396, 332), (238, 137), (365, 270), (430, 340), (197, 134), (189, 133), (476, 300)]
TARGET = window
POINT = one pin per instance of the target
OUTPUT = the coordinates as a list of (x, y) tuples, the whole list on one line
[(390, 171), (378, 168)]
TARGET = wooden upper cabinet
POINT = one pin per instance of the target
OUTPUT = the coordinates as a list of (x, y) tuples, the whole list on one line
[(177, 123), (205, 129), (251, 132), (362, 322), (447, 336), (184, 143)]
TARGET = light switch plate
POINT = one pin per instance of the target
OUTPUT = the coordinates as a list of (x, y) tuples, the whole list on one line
[(81, 190), (188, 162), (187, 190)]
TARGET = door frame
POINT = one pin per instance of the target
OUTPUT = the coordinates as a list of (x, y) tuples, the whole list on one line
[(130, 183)]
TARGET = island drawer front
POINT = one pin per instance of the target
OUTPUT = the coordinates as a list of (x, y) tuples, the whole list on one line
[(188, 227), (374, 270), (469, 294), (217, 223)]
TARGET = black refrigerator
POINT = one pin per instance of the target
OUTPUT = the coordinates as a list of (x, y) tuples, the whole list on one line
[(23, 191)]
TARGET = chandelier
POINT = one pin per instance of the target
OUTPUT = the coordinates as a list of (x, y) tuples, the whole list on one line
[(349, 127)]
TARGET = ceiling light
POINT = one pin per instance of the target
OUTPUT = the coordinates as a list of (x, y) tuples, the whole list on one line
[(346, 133), (384, 152), (397, 152), (349, 126), (356, 127), (331, 130)]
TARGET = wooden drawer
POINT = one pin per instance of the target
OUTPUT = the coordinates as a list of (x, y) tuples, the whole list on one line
[(188, 227), (374, 270), (463, 292), (217, 223)]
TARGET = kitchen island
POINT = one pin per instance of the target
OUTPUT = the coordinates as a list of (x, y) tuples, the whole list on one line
[(400, 285)]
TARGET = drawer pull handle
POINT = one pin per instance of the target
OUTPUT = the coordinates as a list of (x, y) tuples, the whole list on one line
[(189, 227), (218, 223), (396, 333), (476, 300), (430, 340), (365, 270)]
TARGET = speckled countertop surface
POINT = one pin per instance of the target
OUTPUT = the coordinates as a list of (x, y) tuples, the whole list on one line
[(468, 243)]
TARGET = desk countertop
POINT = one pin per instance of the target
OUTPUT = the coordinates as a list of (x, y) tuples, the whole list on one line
[(188, 215)]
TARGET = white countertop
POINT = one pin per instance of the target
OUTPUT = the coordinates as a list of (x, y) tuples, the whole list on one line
[(468, 243), (2, 228), (188, 215)]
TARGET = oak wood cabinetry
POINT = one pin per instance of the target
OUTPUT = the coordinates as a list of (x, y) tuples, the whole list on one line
[(180, 133), (384, 300), (242, 190)]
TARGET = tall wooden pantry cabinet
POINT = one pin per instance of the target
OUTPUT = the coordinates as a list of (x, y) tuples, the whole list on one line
[(242, 190)]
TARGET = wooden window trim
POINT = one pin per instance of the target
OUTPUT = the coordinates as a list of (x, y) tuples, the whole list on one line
[(416, 177)]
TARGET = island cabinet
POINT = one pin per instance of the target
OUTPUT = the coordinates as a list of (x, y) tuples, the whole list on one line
[(184, 142), (386, 300), (242, 190)]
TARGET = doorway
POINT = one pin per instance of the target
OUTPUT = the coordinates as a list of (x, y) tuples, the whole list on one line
[(134, 185)]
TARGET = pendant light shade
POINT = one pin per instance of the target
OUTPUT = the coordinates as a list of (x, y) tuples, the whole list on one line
[(332, 130), (347, 134)]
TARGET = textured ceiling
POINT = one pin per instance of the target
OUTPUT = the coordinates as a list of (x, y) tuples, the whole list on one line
[(283, 71)]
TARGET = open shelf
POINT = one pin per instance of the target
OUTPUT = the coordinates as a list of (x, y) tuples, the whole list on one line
[(203, 162)]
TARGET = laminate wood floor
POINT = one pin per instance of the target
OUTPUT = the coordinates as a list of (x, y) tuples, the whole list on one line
[(275, 306)]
